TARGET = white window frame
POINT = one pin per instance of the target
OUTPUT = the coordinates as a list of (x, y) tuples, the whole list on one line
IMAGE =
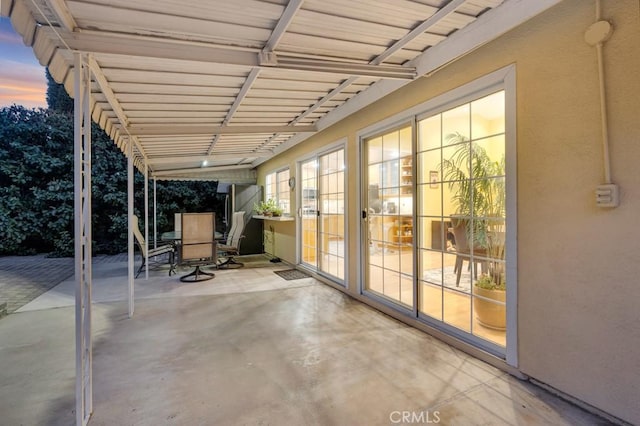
[(502, 79), (281, 185)]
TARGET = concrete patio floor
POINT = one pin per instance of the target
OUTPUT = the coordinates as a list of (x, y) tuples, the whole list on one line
[(249, 348)]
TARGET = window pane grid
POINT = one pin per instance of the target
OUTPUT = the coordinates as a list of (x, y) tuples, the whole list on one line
[(461, 151), (331, 205), (390, 221), (277, 189)]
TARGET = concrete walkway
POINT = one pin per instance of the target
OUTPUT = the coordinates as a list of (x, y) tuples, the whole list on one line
[(23, 278), (249, 347)]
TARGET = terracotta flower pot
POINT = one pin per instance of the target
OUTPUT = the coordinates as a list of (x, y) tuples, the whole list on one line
[(488, 313)]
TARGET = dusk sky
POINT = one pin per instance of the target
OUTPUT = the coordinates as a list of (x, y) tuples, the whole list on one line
[(22, 78)]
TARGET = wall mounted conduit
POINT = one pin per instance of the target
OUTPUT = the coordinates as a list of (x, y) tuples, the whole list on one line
[(607, 195)]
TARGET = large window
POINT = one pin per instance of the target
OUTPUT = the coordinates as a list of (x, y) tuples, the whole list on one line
[(277, 189)]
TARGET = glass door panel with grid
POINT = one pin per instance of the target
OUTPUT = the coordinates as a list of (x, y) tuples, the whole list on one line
[(323, 204), (460, 181), (389, 199), (309, 212)]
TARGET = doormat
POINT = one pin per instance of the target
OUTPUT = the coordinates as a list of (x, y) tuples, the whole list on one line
[(292, 274)]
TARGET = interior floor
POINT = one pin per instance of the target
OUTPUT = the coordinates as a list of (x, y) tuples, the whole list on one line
[(441, 296)]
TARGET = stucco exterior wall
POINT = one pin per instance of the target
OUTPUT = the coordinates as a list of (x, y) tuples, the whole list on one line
[(578, 264)]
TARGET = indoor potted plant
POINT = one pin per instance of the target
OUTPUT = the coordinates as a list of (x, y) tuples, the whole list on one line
[(267, 208), (259, 208), (478, 186)]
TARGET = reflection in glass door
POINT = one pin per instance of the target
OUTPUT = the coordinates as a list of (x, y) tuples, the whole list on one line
[(389, 199), (322, 213)]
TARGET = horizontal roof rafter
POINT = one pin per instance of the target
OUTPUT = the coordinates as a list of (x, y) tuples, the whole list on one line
[(208, 158), (215, 130), (103, 42), (161, 76), (149, 106), (202, 170)]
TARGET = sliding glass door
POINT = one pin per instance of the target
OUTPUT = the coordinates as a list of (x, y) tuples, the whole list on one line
[(389, 248), (309, 213), (461, 213), (434, 193), (322, 201)]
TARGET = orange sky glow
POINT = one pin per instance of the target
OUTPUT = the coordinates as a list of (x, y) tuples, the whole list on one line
[(22, 78)]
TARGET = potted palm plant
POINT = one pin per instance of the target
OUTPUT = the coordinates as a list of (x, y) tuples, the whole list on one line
[(478, 194)]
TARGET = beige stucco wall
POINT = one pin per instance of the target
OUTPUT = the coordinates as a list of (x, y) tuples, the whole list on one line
[(578, 265)]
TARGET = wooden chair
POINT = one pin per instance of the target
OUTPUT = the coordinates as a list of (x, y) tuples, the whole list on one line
[(159, 256), (198, 245), (232, 247)]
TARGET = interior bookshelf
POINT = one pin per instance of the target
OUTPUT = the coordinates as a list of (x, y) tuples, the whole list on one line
[(400, 234), (406, 175)]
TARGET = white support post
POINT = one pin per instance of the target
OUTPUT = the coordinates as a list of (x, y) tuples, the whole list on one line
[(155, 216), (82, 230), (146, 219), (130, 215)]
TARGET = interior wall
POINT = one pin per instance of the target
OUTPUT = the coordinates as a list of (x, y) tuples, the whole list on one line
[(577, 263)]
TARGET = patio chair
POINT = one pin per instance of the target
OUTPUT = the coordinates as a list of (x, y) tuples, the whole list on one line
[(232, 247), (177, 223), (159, 256), (198, 245)]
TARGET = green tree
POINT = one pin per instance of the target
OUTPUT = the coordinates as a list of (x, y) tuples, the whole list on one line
[(57, 98), (109, 194), (37, 192), (34, 159)]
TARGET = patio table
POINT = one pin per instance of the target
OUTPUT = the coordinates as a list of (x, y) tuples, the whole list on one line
[(176, 236)]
